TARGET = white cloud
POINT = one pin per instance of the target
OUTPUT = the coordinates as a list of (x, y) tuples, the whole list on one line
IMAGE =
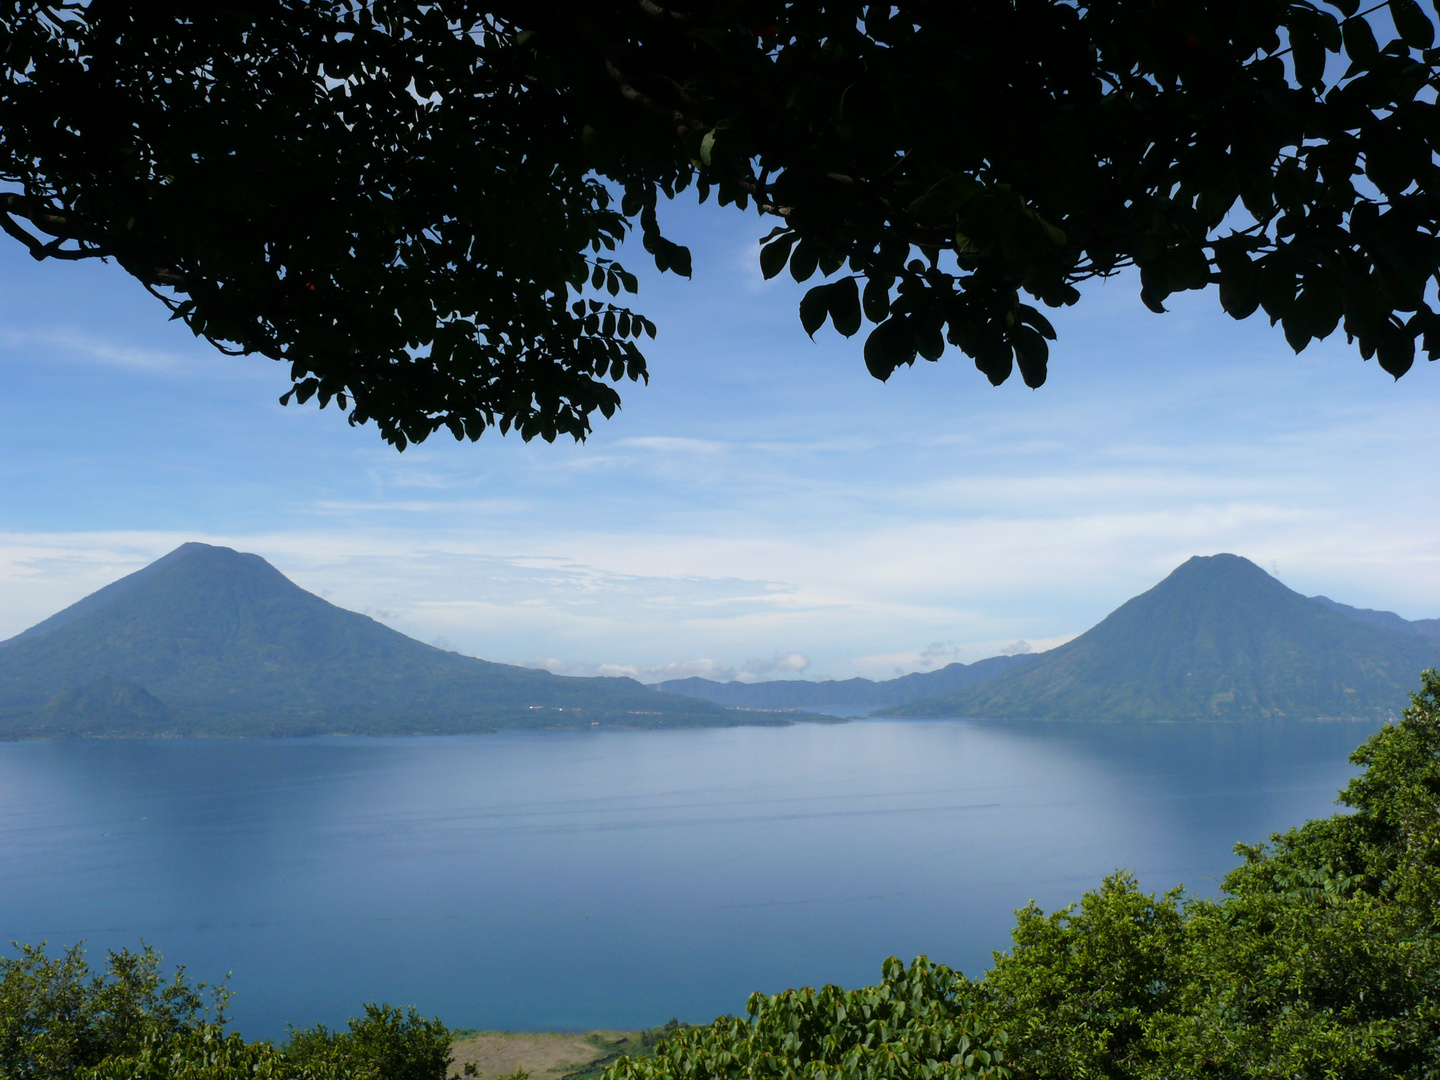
[(890, 665), (671, 444), (657, 605), (938, 654), (90, 348), (786, 664), (749, 672), (653, 673)]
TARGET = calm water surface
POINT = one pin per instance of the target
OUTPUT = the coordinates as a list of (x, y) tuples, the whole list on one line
[(616, 879)]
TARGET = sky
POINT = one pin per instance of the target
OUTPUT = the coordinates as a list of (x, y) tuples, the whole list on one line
[(762, 509)]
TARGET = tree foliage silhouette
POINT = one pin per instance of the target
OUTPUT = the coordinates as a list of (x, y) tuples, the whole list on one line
[(416, 204)]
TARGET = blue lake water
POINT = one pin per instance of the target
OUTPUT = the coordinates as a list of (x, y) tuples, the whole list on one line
[(616, 879)]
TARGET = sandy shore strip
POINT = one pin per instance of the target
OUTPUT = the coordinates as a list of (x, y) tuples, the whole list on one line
[(541, 1055)]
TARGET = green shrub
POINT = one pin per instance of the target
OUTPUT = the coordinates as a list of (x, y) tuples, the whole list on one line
[(917, 1024), (57, 1016), (1321, 958), (1078, 987), (205, 1053), (61, 1021), (385, 1044)]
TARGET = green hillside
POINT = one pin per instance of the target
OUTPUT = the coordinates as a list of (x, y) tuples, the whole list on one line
[(1217, 639), (211, 641)]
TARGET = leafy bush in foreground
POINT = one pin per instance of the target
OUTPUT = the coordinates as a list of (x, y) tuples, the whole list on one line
[(60, 1021), (1320, 959), (57, 1016), (385, 1044), (918, 1023)]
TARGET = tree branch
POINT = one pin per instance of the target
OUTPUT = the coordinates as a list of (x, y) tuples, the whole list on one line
[(654, 10), (629, 93), (39, 250), (56, 223), (63, 227)]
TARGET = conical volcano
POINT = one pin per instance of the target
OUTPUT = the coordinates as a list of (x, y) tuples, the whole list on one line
[(1219, 639), (208, 640)]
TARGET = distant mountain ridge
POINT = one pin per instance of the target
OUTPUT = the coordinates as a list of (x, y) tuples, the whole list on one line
[(845, 693), (1386, 619), (1219, 638), (208, 640)]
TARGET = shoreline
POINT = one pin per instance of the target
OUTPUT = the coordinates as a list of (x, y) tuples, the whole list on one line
[(547, 1055)]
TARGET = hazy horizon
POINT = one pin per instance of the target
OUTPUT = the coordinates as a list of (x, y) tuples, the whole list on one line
[(764, 508)]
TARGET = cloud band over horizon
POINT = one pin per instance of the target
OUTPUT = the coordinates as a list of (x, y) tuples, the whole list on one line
[(762, 500)]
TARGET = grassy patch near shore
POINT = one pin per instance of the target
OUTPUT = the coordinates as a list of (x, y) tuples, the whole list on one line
[(548, 1055)]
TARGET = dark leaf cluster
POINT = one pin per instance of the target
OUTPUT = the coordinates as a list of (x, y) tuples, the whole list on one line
[(414, 204), (957, 164), (379, 195)]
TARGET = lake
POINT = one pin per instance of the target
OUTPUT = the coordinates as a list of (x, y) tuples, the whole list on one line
[(618, 878)]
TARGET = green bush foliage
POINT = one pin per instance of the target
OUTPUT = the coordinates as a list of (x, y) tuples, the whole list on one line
[(1320, 958), (61, 1021), (58, 1016), (384, 1044), (918, 1024)]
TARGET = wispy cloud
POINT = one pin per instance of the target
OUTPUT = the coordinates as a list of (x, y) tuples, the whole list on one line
[(672, 444), (90, 348), (788, 666)]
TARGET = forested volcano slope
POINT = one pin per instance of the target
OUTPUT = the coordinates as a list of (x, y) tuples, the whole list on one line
[(208, 640), (1219, 639)]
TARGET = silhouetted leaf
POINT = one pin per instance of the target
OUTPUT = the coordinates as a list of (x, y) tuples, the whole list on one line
[(1395, 351), (946, 198), (774, 255), (928, 331), (1360, 44), (876, 299), (803, 261), (1033, 354), (1239, 294), (1415, 27), (889, 345), (814, 306), (844, 302)]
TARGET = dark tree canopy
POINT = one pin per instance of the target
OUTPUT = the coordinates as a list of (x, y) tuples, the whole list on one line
[(416, 203)]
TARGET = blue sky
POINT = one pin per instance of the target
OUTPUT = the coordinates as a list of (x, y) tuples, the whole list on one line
[(762, 509)]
